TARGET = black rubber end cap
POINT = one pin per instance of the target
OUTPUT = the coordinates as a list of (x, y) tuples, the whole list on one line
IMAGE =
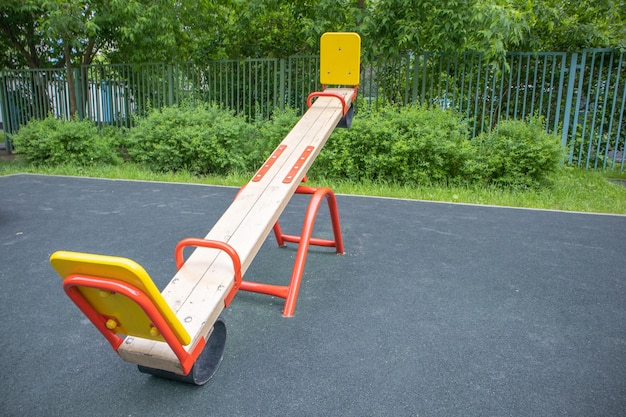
[(207, 363), (346, 121)]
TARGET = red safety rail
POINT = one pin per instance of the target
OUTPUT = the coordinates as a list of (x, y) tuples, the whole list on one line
[(290, 292), (324, 93), (213, 244), (71, 286)]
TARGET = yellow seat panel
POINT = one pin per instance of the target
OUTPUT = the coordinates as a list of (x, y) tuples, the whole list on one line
[(130, 317), (340, 58)]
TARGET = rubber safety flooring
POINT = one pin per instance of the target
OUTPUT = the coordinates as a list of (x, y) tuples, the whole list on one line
[(434, 310)]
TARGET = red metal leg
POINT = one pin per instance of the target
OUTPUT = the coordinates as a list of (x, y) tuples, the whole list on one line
[(278, 233), (268, 289), (337, 243), (290, 292), (306, 240)]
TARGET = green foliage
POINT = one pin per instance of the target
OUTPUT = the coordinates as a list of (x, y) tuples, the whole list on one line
[(35, 32), (273, 131), (278, 29), (409, 146), (563, 25), (42, 34), (165, 31), (419, 145), (519, 154), (399, 26), (493, 26), (412, 145), (202, 139), (54, 142)]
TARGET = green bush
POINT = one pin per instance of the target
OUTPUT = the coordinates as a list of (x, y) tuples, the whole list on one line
[(411, 145), (53, 142), (519, 154), (202, 139), (272, 132)]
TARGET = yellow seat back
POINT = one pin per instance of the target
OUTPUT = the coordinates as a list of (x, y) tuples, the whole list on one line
[(124, 316), (340, 58)]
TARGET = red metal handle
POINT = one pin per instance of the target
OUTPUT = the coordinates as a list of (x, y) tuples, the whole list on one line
[(212, 244), (346, 106), (309, 99)]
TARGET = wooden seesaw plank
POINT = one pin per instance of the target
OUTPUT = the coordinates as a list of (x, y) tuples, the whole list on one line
[(196, 293)]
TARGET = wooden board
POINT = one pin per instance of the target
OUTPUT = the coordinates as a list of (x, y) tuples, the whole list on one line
[(196, 293)]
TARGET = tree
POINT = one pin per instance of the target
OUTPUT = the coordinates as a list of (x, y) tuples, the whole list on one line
[(54, 33), (399, 26), (69, 33), (495, 26), (22, 41), (23, 44), (275, 28), (563, 25), (167, 31), (71, 28)]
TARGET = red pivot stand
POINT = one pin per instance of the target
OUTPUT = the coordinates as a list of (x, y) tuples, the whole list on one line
[(290, 292)]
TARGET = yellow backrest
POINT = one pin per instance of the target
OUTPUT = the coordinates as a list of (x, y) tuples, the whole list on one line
[(129, 316), (340, 58)]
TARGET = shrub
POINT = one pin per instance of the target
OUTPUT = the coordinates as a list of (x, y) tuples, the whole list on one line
[(519, 154), (410, 145), (272, 132), (53, 142), (202, 139)]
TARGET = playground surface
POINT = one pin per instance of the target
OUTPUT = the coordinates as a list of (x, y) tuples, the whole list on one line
[(435, 309)]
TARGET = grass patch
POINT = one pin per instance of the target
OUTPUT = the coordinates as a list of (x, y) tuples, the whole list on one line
[(127, 171), (572, 189)]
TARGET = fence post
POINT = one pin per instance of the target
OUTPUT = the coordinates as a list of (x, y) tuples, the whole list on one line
[(569, 97), (170, 81), (6, 122), (79, 92), (424, 75), (281, 85), (415, 84)]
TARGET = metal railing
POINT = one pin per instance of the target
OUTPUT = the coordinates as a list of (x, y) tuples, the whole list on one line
[(594, 127), (580, 95)]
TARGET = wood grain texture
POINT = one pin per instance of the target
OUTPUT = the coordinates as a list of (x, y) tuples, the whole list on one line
[(196, 293)]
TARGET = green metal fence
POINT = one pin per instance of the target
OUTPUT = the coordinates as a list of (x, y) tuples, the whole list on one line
[(580, 95), (525, 84), (116, 93), (594, 128), (25, 94), (583, 96)]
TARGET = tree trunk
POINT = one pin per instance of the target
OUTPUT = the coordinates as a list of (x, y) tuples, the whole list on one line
[(83, 81), (70, 80)]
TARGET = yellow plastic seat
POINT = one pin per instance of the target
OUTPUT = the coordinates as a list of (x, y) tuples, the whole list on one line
[(96, 277), (340, 58)]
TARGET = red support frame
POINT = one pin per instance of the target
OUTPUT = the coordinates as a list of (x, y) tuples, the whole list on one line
[(290, 292), (71, 286)]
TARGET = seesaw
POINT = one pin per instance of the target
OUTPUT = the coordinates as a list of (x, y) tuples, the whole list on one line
[(178, 333)]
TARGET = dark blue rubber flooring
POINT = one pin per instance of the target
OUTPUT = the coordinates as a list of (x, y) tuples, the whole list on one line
[(435, 309)]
